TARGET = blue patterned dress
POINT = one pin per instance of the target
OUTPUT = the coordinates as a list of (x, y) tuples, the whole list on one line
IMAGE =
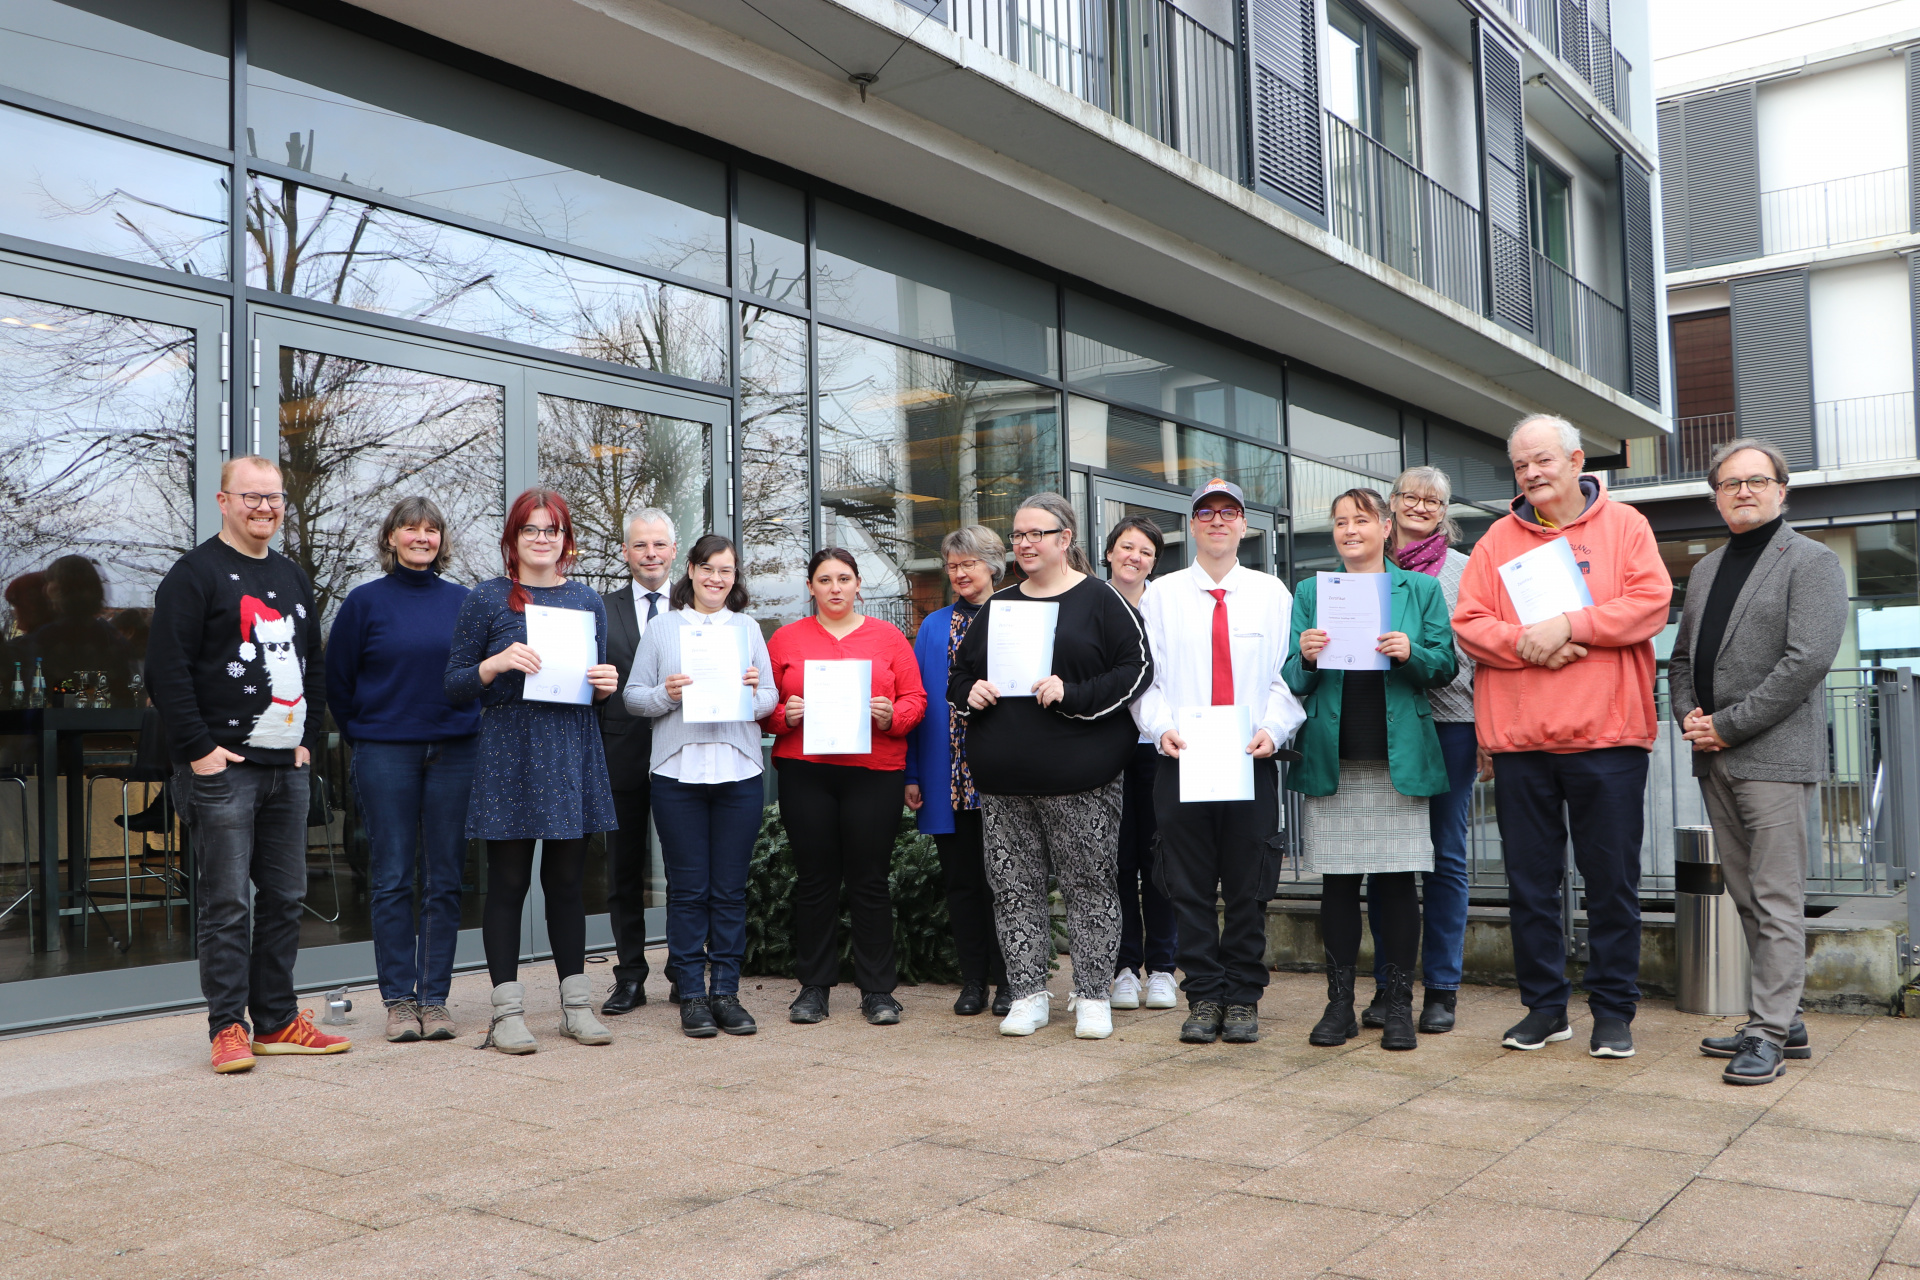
[(542, 772)]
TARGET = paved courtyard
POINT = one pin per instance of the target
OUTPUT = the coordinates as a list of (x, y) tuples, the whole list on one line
[(937, 1148)]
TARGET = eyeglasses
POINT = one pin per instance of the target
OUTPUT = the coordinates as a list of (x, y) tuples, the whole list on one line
[(543, 532), (1419, 502), (965, 566), (717, 571), (274, 501), (1758, 484), (1019, 536), (1218, 515)]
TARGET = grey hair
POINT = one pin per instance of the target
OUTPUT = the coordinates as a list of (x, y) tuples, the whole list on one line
[(415, 510), (651, 515), (1568, 433), (1062, 510), (1727, 450), (1433, 478), (977, 542)]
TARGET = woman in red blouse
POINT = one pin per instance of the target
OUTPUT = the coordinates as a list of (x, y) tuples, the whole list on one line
[(842, 810)]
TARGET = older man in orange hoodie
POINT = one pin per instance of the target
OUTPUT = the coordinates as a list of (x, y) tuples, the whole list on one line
[(1565, 707)]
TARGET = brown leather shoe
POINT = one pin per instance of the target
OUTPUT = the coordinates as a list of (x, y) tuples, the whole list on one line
[(435, 1022), (403, 1021)]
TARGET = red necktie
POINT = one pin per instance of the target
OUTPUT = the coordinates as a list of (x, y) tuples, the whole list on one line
[(1222, 651)]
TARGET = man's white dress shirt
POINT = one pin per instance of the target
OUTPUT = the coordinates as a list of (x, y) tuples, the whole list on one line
[(1179, 617)]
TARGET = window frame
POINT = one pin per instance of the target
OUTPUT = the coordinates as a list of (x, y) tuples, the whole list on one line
[(1539, 164), (1374, 31)]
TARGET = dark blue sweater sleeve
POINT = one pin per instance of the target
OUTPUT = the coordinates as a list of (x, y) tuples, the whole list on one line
[(345, 645)]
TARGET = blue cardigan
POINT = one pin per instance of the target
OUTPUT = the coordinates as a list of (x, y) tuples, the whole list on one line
[(927, 754)]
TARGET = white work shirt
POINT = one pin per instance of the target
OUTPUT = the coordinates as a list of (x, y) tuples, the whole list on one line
[(1179, 617), (640, 595)]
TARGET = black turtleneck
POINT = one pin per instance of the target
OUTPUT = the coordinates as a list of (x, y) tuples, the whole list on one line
[(1743, 552)]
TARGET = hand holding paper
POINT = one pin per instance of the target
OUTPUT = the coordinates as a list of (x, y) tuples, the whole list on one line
[(1354, 609), (566, 643), (839, 714), (1214, 764), (1020, 645), (714, 657)]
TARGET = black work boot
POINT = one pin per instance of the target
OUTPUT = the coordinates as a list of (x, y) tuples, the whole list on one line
[(1204, 1019), (1337, 1025), (1398, 1032), (1242, 1024), (1436, 1011), (1375, 1014)]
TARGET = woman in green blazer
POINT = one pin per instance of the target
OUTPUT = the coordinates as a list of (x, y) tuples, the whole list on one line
[(1370, 759)]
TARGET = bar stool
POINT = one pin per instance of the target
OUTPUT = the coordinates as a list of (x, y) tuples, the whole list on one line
[(24, 886), (147, 767)]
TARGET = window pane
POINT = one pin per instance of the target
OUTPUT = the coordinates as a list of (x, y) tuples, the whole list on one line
[(913, 446), (773, 240), (160, 65), (314, 245), (775, 528), (1140, 445), (886, 277), (1346, 65), (329, 101), (87, 190), (1342, 425), (1476, 464), (1552, 216), (1315, 486), (1116, 353), (1399, 114)]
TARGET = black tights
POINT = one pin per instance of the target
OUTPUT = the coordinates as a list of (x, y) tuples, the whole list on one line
[(1340, 918), (509, 875)]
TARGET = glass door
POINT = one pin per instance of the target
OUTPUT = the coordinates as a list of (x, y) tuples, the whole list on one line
[(1116, 500)]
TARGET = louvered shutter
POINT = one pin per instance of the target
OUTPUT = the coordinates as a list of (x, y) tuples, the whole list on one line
[(1643, 321), (1773, 363), (1913, 311), (1283, 88), (1723, 176), (1913, 137), (1673, 187), (1503, 178)]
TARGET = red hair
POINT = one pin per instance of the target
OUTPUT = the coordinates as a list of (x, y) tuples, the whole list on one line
[(536, 499)]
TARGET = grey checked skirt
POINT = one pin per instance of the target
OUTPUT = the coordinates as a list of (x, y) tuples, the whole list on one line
[(1366, 825)]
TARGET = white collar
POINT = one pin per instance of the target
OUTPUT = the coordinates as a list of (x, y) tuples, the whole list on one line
[(1203, 581), (694, 618)]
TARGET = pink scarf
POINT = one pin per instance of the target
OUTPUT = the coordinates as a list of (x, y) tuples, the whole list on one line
[(1425, 556)]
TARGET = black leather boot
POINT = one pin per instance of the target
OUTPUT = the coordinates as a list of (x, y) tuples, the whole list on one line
[(1375, 1014), (1398, 1032), (1337, 1025), (1437, 1012)]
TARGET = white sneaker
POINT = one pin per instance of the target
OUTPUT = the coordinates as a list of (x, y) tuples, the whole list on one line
[(1028, 1015), (1126, 990), (1095, 1020), (1162, 992)]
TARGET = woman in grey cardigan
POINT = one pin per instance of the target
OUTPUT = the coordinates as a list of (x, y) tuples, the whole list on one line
[(707, 789)]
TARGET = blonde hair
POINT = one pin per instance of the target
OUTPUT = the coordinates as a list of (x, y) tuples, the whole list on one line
[(228, 467), (1436, 481)]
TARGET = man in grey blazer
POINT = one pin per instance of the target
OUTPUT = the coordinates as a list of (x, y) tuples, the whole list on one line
[(1763, 620)]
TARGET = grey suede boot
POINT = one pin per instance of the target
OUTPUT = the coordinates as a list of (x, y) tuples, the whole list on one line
[(509, 1032), (576, 1011)]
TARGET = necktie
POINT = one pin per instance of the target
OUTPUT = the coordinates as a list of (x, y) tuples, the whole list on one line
[(653, 604), (1222, 651)]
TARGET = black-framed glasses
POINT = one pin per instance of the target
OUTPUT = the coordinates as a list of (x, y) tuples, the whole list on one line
[(966, 566), (543, 532), (1019, 536), (254, 501), (1219, 515), (1758, 484)]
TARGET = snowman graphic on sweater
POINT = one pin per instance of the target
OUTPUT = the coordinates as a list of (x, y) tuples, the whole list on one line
[(265, 634)]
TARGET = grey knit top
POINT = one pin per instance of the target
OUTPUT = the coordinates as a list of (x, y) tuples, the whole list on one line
[(1454, 704), (646, 693)]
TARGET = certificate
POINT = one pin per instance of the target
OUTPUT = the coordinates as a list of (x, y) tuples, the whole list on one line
[(565, 641), (839, 719), (1545, 583), (715, 656), (1214, 765), (1020, 644), (1355, 610)]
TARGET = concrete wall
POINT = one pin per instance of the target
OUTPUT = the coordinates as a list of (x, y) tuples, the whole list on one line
[(1862, 334), (1834, 124)]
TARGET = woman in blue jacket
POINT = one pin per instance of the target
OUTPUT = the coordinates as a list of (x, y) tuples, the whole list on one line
[(939, 785)]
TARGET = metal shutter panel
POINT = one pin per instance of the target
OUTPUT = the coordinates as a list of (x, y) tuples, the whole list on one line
[(1913, 137), (1643, 321), (1286, 149), (1503, 178), (1673, 186), (1723, 176), (1773, 363)]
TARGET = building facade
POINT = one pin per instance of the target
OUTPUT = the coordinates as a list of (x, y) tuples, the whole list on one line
[(811, 272)]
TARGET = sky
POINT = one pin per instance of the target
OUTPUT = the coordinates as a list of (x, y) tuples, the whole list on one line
[(1686, 26)]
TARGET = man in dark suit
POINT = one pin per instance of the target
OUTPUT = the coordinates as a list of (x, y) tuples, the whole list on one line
[(649, 549)]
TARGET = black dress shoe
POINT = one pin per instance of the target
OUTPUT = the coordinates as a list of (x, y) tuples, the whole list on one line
[(1436, 1011), (1204, 1020), (972, 999), (809, 1006), (696, 1018), (1612, 1038), (1002, 1001), (1375, 1014), (627, 995), (1538, 1029), (1758, 1062), (1727, 1046), (1241, 1024), (730, 1017), (880, 1008)]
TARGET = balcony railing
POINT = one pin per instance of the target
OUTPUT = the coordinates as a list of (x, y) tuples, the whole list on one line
[(1572, 320), (1567, 30), (1390, 210), (1864, 429), (1682, 456), (1862, 207)]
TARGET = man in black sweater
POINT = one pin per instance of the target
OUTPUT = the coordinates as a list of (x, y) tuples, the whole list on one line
[(233, 665)]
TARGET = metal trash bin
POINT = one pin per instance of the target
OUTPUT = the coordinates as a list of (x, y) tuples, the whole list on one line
[(1715, 972)]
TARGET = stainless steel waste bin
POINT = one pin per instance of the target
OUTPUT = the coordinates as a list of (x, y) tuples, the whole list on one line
[(1716, 974)]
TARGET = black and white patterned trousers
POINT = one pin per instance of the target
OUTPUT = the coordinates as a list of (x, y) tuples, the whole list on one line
[(1075, 838)]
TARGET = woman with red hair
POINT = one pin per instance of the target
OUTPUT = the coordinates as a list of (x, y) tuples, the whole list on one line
[(541, 774)]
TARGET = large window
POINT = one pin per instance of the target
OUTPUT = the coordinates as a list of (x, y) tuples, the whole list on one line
[(163, 65), (1550, 210), (1121, 354), (1371, 79), (1343, 425)]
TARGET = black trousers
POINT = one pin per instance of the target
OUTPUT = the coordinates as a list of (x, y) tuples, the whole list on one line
[(628, 851), (963, 860), (841, 821), (1396, 908), (1220, 853)]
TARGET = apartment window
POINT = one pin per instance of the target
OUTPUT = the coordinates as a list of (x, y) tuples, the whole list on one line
[(1373, 87), (1550, 210)]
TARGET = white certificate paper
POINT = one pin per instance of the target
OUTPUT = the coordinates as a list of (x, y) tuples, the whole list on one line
[(1355, 610), (1020, 644), (1214, 765), (839, 719), (715, 655), (1545, 583), (564, 639)]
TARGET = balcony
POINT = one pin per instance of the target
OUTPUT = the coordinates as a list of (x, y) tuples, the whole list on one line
[(1576, 322), (1683, 456), (1388, 209), (1565, 28), (1862, 207), (1864, 429)]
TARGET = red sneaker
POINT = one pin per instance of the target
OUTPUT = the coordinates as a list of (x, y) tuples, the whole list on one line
[(301, 1036), (230, 1052)]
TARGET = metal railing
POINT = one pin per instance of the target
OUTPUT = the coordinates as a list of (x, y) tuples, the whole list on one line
[(1681, 456), (1385, 207), (1575, 322), (1568, 32), (1863, 429), (1862, 207)]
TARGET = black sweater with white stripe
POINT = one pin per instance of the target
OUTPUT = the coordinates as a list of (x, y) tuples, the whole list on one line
[(1019, 748)]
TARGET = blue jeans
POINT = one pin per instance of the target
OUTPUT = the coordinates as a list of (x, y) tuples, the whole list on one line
[(413, 798), (706, 842), (1444, 933)]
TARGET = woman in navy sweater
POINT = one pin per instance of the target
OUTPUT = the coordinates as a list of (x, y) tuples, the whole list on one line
[(412, 763)]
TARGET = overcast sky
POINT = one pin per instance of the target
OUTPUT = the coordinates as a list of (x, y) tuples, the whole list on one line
[(1683, 26)]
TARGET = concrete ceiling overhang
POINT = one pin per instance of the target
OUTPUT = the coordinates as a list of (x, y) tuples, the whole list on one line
[(959, 135)]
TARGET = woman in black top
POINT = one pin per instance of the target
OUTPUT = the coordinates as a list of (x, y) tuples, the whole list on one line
[(1047, 767)]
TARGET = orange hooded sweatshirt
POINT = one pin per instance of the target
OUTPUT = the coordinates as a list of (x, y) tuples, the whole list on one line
[(1602, 700)]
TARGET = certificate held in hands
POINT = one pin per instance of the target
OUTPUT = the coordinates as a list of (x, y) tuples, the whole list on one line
[(1214, 765), (1020, 644), (715, 656), (1355, 610), (839, 719), (1545, 583), (565, 641)]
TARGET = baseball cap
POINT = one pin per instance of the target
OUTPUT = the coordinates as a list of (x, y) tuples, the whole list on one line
[(1217, 485)]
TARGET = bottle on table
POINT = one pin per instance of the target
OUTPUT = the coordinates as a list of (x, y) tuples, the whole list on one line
[(37, 694), (17, 695)]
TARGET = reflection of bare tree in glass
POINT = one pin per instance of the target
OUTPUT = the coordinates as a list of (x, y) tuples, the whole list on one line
[(775, 522)]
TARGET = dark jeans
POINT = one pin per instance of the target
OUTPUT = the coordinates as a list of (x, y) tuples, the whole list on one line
[(1148, 936), (1445, 936), (1219, 864), (1603, 793), (563, 865), (706, 840), (963, 859), (413, 798), (628, 851), (249, 824), (842, 820)]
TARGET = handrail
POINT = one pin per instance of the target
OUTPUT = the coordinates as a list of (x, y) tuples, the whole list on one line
[(1864, 429), (1861, 206), (1387, 208), (1576, 322)]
